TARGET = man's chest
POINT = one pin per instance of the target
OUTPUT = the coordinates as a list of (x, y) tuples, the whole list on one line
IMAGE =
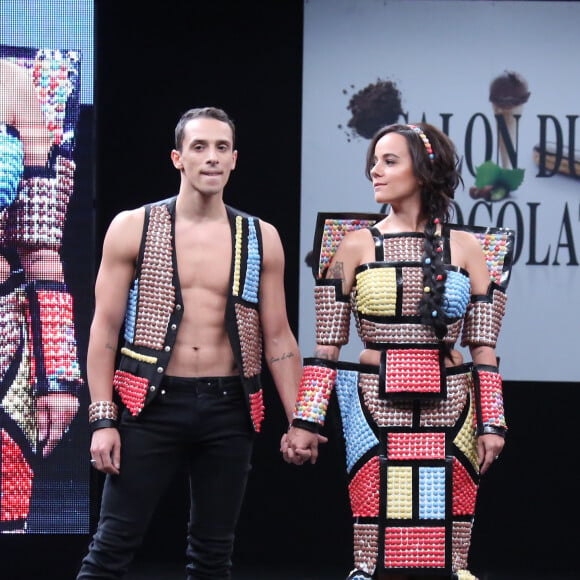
[(204, 259)]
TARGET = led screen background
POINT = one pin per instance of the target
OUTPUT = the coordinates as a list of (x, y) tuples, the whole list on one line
[(46, 263)]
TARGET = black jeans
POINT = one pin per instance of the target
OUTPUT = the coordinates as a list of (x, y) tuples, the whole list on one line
[(202, 423)]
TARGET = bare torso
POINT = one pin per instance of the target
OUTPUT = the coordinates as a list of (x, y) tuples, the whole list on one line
[(204, 254), (20, 108)]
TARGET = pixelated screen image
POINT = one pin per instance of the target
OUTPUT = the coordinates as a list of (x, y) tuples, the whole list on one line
[(46, 266)]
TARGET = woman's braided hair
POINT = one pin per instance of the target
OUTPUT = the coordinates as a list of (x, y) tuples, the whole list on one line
[(435, 164)]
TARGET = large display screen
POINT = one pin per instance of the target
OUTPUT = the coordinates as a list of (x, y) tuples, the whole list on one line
[(498, 78), (46, 264)]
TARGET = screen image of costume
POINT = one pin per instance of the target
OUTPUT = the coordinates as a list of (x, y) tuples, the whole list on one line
[(410, 424), (38, 349)]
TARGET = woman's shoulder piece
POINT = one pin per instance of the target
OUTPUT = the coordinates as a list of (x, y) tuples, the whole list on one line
[(497, 244), (330, 230)]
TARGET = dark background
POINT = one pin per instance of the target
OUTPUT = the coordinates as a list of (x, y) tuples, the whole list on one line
[(155, 62)]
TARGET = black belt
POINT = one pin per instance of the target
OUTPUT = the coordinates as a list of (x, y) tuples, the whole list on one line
[(203, 385)]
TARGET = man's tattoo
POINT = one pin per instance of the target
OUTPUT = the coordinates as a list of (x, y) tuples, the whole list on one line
[(110, 347), (336, 271), (282, 357)]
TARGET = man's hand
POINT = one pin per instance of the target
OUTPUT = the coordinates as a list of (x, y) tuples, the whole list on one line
[(55, 413), (299, 445), (106, 450)]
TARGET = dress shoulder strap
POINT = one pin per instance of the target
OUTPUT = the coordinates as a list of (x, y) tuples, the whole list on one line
[(378, 242)]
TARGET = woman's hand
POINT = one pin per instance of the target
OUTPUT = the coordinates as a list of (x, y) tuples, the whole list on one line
[(489, 448)]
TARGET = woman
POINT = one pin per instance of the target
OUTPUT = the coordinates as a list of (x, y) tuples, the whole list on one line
[(420, 424)]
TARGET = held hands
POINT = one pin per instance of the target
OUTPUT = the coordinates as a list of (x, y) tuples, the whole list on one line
[(299, 445), (489, 448)]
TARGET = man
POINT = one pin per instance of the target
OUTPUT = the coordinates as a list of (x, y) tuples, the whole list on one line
[(199, 287)]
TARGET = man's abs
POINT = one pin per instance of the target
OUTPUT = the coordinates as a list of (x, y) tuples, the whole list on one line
[(202, 354)]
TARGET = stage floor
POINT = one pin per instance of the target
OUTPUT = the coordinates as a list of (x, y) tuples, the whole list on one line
[(166, 571)]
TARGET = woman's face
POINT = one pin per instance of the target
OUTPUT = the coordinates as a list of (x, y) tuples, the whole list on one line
[(394, 180)]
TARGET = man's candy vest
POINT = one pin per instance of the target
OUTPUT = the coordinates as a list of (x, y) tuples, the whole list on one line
[(155, 309)]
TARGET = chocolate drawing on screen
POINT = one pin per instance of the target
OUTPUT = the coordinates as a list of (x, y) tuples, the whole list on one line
[(375, 106)]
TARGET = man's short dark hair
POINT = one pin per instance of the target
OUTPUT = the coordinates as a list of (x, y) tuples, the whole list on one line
[(202, 113)]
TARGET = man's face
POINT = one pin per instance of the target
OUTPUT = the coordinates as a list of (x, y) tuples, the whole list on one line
[(207, 156)]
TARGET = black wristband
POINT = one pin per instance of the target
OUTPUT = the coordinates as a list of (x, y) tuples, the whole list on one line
[(53, 387), (307, 425), (102, 424), (491, 430), (40, 171)]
